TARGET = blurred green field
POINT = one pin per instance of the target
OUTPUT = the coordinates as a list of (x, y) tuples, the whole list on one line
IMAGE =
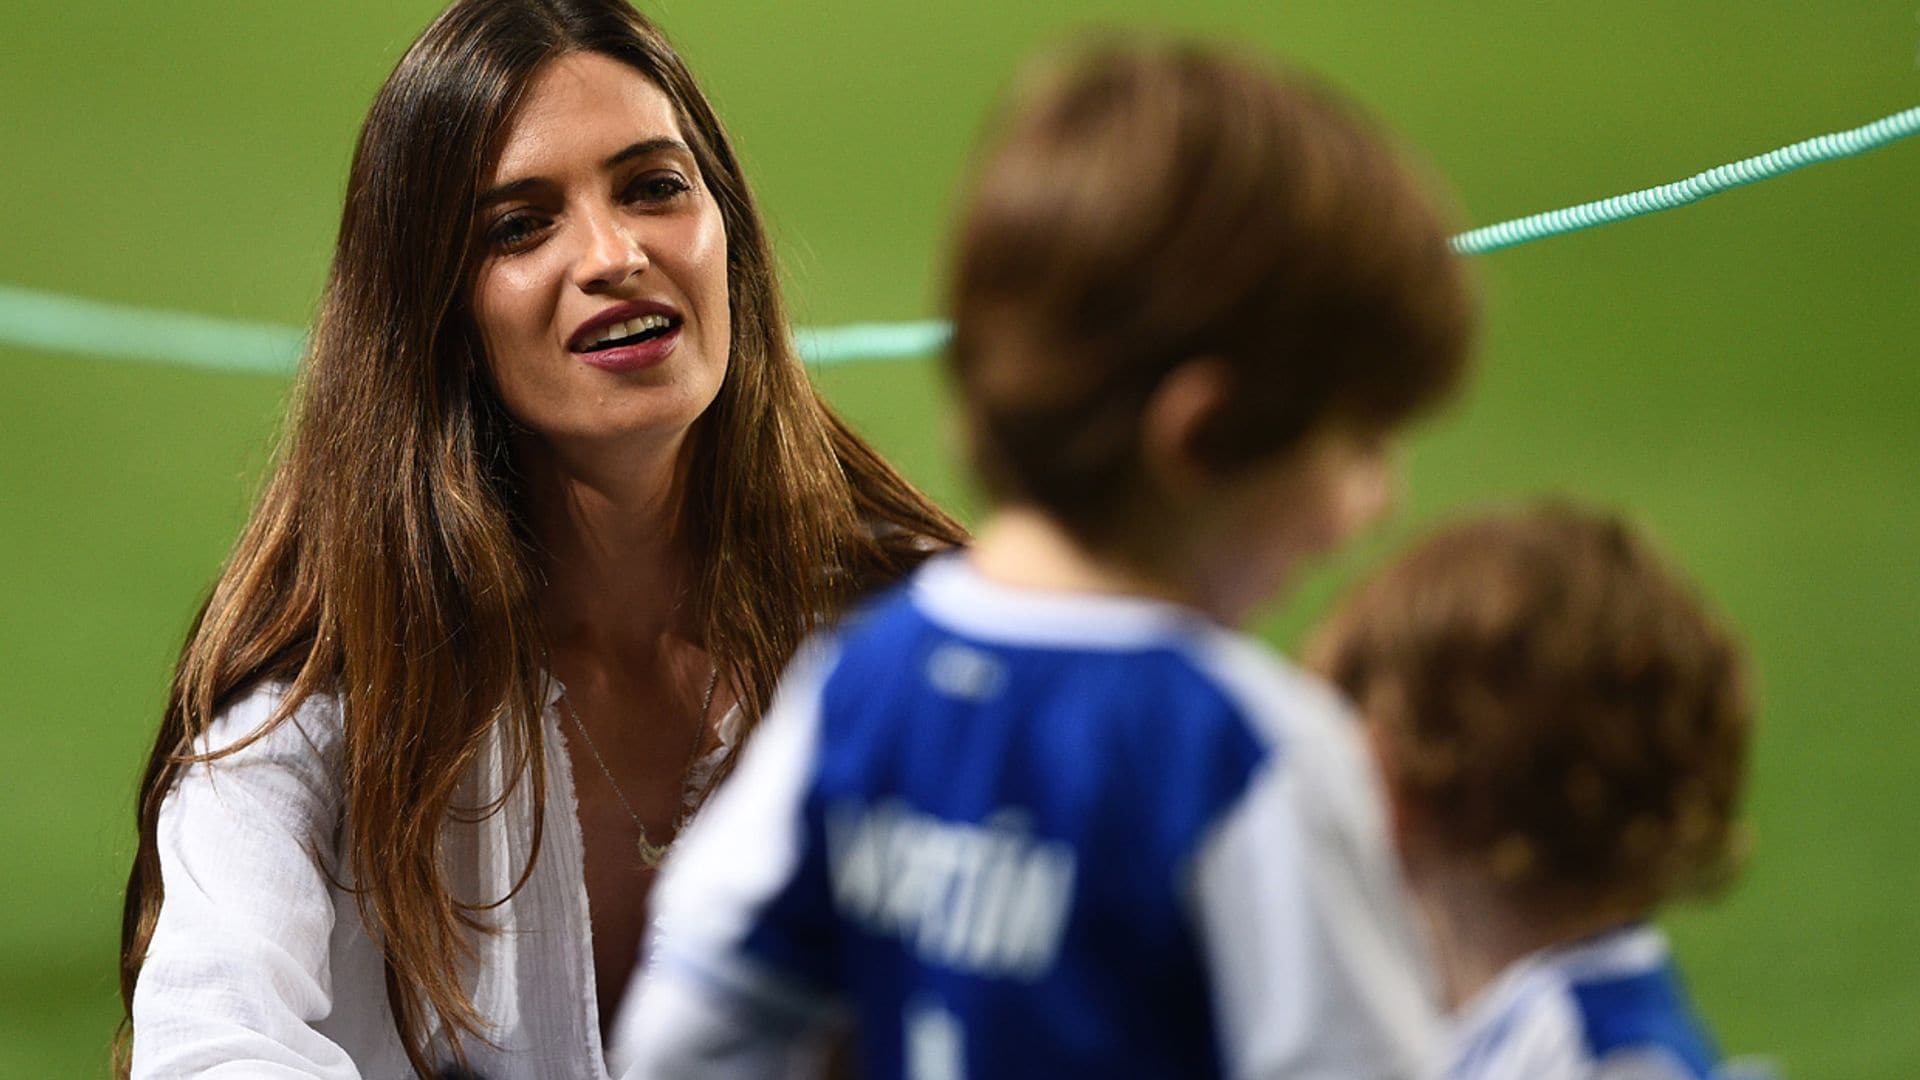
[(1741, 376)]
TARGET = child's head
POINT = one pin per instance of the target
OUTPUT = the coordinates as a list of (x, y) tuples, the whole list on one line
[(1554, 708), (1176, 264)]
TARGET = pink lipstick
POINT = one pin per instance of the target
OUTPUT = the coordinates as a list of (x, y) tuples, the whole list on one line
[(627, 337)]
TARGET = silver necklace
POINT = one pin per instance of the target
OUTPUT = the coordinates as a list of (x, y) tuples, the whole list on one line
[(651, 854)]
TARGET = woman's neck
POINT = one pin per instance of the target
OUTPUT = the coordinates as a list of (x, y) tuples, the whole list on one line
[(612, 540)]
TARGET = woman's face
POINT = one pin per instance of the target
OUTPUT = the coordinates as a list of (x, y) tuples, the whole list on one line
[(601, 296)]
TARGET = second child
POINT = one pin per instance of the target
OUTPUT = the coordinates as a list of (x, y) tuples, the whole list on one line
[(1562, 725)]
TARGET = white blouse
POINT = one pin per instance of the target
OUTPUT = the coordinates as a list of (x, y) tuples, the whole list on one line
[(260, 965)]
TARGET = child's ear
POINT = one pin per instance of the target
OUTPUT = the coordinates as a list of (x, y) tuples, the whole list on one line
[(1186, 400)]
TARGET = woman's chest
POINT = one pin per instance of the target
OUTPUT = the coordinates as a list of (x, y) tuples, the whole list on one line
[(618, 881)]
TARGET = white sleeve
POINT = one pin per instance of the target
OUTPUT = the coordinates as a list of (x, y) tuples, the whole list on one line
[(236, 974), (704, 1006), (1316, 969)]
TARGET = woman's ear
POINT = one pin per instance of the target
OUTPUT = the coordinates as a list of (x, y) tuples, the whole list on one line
[(1187, 399)]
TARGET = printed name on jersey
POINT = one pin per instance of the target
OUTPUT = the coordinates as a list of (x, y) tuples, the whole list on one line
[(984, 898)]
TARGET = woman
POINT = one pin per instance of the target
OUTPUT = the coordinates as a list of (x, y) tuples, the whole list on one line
[(555, 506)]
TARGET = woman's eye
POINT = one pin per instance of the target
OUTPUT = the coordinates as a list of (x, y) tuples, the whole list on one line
[(513, 231), (657, 188)]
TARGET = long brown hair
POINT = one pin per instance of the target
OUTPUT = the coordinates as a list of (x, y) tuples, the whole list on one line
[(388, 562)]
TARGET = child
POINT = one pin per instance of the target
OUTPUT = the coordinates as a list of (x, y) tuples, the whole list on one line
[(1562, 727), (1041, 812)]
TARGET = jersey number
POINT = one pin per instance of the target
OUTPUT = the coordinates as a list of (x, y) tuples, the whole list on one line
[(935, 1049)]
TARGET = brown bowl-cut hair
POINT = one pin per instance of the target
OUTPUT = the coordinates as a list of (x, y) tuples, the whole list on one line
[(1144, 204), (1557, 705)]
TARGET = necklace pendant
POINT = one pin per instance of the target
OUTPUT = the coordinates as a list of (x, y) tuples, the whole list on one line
[(651, 854)]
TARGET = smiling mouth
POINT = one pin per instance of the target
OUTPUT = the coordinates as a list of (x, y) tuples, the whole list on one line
[(632, 332)]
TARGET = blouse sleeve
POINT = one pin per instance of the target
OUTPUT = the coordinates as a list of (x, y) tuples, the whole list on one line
[(236, 975)]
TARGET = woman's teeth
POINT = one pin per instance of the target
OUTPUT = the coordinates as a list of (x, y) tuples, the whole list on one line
[(636, 327)]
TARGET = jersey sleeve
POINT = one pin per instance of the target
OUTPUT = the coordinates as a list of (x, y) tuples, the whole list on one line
[(738, 979), (237, 974), (1316, 970)]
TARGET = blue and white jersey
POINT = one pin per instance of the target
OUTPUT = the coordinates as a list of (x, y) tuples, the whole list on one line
[(1019, 833), (1609, 1008)]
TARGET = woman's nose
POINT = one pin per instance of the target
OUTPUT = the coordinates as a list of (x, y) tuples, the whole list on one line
[(612, 256)]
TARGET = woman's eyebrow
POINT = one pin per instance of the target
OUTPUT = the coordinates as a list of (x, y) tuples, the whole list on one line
[(508, 191), (648, 146), (659, 144)]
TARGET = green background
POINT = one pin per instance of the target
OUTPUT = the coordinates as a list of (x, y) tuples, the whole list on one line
[(1740, 376)]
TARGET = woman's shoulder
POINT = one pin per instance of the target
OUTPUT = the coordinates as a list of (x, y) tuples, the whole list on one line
[(265, 724), (909, 537), (896, 551)]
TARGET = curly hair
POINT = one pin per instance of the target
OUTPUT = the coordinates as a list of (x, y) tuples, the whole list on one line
[(1558, 705)]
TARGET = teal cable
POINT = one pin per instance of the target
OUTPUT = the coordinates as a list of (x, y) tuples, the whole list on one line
[(820, 345), (51, 322), (1694, 188)]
